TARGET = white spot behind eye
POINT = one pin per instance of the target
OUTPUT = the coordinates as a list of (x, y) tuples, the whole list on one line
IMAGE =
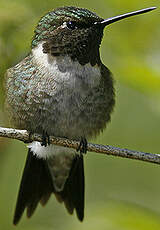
[(64, 25)]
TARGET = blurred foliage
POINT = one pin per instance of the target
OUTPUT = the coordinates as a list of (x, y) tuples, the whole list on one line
[(123, 194)]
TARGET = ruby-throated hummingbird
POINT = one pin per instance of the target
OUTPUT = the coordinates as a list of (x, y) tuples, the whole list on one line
[(63, 89)]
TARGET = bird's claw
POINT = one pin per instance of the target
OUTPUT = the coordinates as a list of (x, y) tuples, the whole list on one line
[(45, 139), (82, 146)]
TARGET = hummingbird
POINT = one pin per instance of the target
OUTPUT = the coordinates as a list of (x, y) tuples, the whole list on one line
[(63, 89)]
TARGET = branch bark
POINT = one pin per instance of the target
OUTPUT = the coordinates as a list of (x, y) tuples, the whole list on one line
[(23, 135)]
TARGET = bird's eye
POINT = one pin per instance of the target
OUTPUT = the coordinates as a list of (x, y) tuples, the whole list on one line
[(72, 25)]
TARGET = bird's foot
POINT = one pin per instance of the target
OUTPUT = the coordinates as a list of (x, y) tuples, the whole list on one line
[(45, 139), (29, 138), (82, 146)]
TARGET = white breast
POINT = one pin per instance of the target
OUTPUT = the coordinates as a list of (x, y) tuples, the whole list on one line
[(65, 70), (66, 84)]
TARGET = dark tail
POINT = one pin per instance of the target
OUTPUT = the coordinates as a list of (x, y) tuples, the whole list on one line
[(37, 185)]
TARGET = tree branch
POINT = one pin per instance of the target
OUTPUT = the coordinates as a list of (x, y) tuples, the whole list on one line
[(24, 136)]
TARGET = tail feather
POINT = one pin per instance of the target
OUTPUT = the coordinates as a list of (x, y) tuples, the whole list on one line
[(45, 199), (37, 185), (73, 193)]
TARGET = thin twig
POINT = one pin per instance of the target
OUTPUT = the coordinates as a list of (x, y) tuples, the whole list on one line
[(24, 136)]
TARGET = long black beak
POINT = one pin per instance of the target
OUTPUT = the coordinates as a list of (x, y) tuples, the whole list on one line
[(120, 17)]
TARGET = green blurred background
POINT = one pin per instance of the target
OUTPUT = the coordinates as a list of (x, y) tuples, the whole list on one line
[(121, 194)]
